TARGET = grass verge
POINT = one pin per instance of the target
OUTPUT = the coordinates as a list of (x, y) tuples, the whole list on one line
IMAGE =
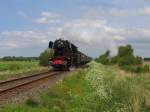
[(95, 89), (10, 69)]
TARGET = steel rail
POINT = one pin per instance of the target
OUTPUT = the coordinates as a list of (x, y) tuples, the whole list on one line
[(25, 77), (27, 83)]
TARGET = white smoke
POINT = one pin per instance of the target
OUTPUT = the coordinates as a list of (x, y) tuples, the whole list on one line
[(93, 33)]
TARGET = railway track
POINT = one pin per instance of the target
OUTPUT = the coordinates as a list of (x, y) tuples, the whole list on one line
[(11, 88)]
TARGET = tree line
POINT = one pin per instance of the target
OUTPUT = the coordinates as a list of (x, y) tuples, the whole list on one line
[(125, 59), (20, 58), (146, 59)]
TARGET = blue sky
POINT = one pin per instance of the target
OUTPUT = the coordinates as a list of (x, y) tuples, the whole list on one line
[(26, 26)]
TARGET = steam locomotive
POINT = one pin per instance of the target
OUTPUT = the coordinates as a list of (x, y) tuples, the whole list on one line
[(66, 55)]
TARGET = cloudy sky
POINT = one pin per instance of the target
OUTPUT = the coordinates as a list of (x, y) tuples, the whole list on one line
[(26, 26)]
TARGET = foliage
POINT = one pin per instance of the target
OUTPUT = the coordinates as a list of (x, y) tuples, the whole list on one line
[(146, 68), (136, 69), (146, 59), (45, 57), (125, 59), (95, 89), (16, 68), (104, 58), (32, 102), (125, 51), (126, 56)]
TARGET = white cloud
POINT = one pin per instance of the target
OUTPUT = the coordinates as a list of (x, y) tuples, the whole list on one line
[(91, 34), (94, 33), (26, 39), (146, 10), (50, 14), (48, 17)]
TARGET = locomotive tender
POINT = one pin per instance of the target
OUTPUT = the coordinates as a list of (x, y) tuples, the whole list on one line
[(66, 55)]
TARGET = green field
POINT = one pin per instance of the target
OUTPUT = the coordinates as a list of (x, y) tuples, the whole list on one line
[(16, 68), (98, 88), (147, 62)]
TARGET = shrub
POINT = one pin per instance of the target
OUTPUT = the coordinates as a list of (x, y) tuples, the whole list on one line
[(104, 58), (125, 59), (146, 68), (129, 68), (126, 56), (136, 69), (114, 60), (125, 51), (14, 66), (31, 102), (139, 60), (45, 57)]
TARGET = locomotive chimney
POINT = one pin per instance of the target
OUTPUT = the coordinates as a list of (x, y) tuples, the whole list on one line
[(50, 44)]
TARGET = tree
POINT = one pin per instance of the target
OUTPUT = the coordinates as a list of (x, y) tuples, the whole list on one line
[(125, 51), (104, 58), (126, 56)]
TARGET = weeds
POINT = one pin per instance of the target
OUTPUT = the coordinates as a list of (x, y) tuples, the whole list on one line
[(31, 102), (15, 68), (95, 89)]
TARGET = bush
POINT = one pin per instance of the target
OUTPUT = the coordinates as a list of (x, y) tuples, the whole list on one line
[(125, 51), (136, 69), (126, 56), (125, 59), (32, 102), (45, 57), (146, 68), (129, 68), (114, 60), (104, 58), (139, 60), (14, 66), (129, 60)]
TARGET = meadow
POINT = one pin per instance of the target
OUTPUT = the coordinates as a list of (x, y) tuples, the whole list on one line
[(147, 62), (98, 88), (10, 69)]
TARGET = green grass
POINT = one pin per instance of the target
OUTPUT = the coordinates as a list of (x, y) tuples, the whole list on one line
[(15, 68), (96, 89)]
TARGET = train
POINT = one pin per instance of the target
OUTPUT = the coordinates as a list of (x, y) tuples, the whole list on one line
[(66, 55)]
